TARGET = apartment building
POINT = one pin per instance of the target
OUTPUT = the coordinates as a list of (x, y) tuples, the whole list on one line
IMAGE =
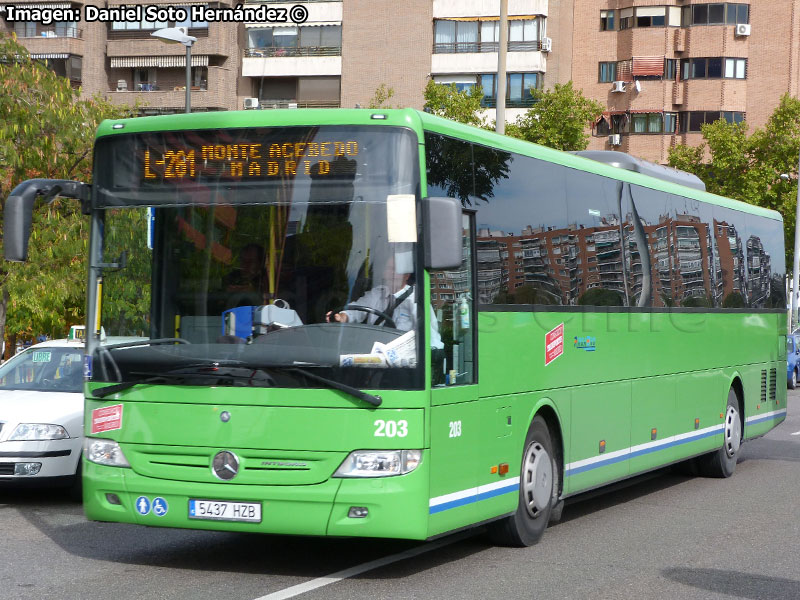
[(663, 69), (660, 70), (123, 62)]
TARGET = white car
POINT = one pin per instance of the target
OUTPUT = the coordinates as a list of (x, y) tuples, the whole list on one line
[(41, 415)]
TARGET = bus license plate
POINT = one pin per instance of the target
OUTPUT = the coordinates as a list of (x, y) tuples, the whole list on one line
[(218, 510)]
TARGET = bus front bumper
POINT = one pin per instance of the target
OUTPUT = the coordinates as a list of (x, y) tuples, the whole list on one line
[(396, 507)]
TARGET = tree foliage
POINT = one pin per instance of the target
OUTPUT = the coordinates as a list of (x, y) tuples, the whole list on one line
[(558, 118), (46, 131), (749, 167), (448, 102), (381, 97)]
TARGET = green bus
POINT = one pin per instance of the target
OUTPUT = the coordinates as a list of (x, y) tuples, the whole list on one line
[(381, 323)]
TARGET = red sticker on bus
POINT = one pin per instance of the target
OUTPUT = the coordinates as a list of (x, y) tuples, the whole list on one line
[(107, 418), (553, 344)]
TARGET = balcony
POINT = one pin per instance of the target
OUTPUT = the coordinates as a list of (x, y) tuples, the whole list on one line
[(164, 96), (300, 51), (45, 42), (292, 62), (459, 47), (265, 104)]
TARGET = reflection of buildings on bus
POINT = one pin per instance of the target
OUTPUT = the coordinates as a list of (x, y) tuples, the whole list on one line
[(689, 266), (731, 260), (758, 272)]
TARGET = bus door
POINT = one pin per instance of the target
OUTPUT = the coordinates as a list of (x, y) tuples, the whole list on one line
[(456, 428)]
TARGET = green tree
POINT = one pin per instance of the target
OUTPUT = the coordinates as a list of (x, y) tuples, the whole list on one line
[(448, 102), (749, 167), (381, 96), (558, 118), (46, 131)]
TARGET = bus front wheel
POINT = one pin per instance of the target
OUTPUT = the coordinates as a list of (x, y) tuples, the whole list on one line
[(722, 462), (538, 491)]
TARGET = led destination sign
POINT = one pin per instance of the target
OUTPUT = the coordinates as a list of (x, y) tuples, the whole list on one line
[(181, 162)]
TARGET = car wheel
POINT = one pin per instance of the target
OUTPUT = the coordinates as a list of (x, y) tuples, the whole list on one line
[(538, 491), (793, 381), (721, 463)]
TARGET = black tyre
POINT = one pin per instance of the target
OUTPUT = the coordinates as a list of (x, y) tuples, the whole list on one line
[(538, 491), (793, 380), (75, 489), (722, 462)]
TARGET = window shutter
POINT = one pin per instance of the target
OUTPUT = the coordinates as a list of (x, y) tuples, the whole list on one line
[(648, 65)]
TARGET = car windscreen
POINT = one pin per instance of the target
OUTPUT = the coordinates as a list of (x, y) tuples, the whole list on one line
[(49, 369)]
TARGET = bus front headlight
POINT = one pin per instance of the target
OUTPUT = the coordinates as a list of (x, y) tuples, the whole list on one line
[(379, 463), (104, 452)]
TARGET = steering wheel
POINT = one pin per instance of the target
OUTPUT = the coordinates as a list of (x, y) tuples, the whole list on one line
[(387, 320)]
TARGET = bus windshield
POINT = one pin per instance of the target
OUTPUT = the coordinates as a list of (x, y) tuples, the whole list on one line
[(257, 256)]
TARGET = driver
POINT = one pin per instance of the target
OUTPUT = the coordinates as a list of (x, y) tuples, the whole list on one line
[(396, 297)]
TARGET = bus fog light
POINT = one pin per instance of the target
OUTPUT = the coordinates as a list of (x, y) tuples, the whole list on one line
[(358, 512), (113, 499), (104, 452), (379, 463), (24, 469)]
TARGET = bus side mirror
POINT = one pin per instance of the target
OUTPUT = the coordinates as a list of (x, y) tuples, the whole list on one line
[(18, 213), (443, 233)]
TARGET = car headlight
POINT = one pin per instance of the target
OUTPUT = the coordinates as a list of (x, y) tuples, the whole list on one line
[(104, 452), (29, 432), (379, 463)]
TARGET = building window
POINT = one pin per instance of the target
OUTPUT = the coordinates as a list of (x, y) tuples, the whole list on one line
[(647, 122), (721, 13), (607, 72), (713, 68), (324, 40), (670, 68), (483, 36), (670, 122), (462, 83), (518, 89), (626, 18), (691, 121), (455, 36), (735, 68), (651, 16), (606, 20), (25, 29), (523, 35)]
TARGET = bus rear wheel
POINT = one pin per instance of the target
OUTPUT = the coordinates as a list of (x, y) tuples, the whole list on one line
[(721, 463), (538, 491)]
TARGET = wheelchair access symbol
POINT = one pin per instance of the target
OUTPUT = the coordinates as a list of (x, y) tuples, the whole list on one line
[(160, 507), (143, 505)]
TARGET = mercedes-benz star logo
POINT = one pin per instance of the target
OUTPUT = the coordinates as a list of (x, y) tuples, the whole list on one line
[(225, 465)]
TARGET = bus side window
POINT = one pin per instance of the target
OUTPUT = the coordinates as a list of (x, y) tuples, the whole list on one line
[(453, 305)]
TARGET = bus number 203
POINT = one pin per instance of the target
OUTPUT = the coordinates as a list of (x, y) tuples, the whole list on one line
[(391, 428)]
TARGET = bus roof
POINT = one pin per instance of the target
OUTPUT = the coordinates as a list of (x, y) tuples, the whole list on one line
[(418, 121)]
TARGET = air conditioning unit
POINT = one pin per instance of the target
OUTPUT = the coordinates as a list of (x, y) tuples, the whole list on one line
[(547, 44), (618, 86), (615, 139), (743, 29), (251, 103)]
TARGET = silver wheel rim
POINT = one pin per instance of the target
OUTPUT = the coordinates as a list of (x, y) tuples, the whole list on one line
[(794, 379), (537, 479), (733, 431)]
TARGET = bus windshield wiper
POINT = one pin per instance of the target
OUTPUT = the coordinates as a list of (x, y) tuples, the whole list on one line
[(185, 373), (342, 387)]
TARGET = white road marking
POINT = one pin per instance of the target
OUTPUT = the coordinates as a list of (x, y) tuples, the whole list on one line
[(319, 582), (796, 433)]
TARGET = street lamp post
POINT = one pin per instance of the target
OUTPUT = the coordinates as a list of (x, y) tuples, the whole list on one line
[(177, 35)]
